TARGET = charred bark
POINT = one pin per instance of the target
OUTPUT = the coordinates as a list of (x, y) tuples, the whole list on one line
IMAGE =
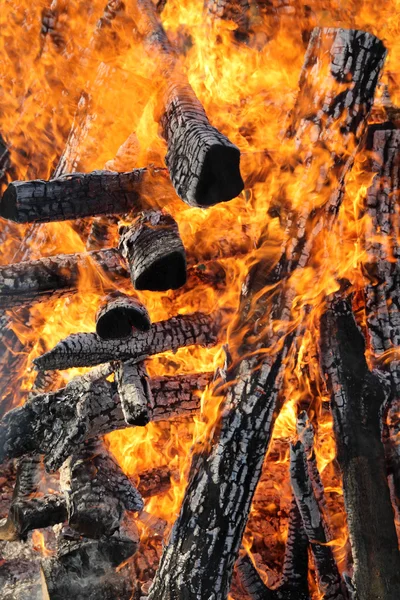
[(58, 423), (203, 164), (119, 316), (357, 398), (154, 252), (97, 491), (223, 477), (134, 390), (73, 196), (88, 349), (102, 233), (53, 277)]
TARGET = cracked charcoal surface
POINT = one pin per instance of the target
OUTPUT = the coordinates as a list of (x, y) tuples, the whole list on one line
[(133, 385), (87, 349)]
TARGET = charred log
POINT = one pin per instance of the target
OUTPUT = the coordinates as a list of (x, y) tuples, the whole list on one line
[(294, 581), (74, 196), (119, 315), (203, 164), (102, 233), (357, 398), (238, 11), (134, 390), (97, 491), (57, 424), (88, 349), (53, 277), (154, 252), (225, 474)]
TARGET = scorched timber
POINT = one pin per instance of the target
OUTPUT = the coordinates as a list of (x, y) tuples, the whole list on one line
[(77, 195), (88, 349), (58, 423), (198, 560), (357, 398), (56, 276), (294, 581), (97, 491), (135, 392), (203, 164)]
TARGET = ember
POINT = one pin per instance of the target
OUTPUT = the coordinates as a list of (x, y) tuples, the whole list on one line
[(200, 291)]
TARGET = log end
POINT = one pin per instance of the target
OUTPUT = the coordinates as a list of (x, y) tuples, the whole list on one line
[(8, 205), (220, 179), (118, 317), (166, 273)]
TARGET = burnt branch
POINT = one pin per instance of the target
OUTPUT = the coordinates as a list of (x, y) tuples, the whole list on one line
[(134, 390), (357, 399), (87, 349)]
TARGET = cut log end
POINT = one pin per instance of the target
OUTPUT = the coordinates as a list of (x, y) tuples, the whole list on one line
[(220, 179), (166, 273), (8, 205), (119, 316)]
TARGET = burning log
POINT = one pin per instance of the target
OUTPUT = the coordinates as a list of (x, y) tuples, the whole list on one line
[(229, 468), (135, 392), (102, 233), (86, 567), (88, 349), (237, 11), (294, 581), (329, 580), (119, 316), (154, 252), (55, 276), (203, 164), (58, 423), (97, 491), (357, 397), (74, 195)]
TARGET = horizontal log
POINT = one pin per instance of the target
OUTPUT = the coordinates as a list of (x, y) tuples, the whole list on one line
[(153, 249), (119, 315), (87, 349), (38, 513), (203, 164), (75, 195), (53, 277), (57, 424), (97, 491)]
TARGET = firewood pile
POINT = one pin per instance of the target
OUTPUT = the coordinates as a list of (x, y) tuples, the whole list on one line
[(223, 421)]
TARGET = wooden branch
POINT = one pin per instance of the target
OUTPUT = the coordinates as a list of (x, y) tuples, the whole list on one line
[(57, 424), (87, 349), (55, 276), (119, 315), (77, 195), (97, 491), (154, 252), (204, 542), (203, 164), (134, 391), (357, 397), (294, 580), (329, 580)]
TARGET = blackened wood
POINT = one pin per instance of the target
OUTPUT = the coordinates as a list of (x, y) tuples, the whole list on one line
[(134, 391), (88, 349), (50, 28), (97, 491), (154, 252), (102, 233), (227, 471), (203, 164), (294, 581), (38, 513), (119, 315), (73, 196), (55, 276), (238, 11), (57, 424), (329, 580), (357, 397), (154, 481)]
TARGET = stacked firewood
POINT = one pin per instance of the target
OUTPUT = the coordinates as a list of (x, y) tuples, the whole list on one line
[(63, 429)]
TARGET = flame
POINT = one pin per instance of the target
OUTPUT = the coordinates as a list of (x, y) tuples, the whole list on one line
[(247, 91)]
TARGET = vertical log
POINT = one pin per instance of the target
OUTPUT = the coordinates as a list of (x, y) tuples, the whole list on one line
[(135, 392), (357, 398), (198, 560)]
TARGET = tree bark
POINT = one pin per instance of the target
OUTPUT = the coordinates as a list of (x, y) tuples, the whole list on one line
[(203, 164), (77, 195), (198, 560), (357, 398), (154, 252), (87, 349), (97, 491), (119, 316), (58, 423)]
